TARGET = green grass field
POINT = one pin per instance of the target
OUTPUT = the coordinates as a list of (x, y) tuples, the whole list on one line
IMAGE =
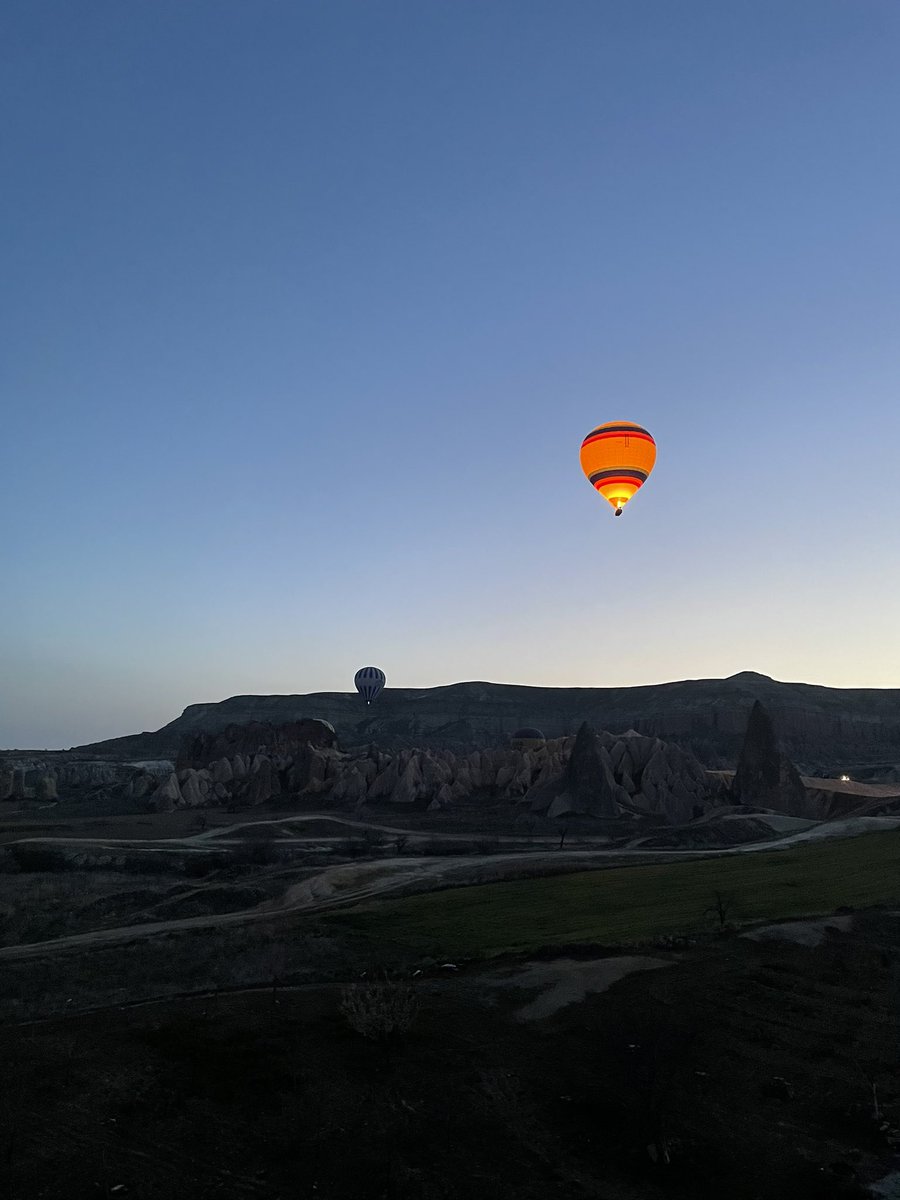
[(634, 904)]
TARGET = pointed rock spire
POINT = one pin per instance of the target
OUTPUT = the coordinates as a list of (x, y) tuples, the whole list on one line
[(765, 775)]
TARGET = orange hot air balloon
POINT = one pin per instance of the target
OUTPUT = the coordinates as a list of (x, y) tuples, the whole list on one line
[(617, 458)]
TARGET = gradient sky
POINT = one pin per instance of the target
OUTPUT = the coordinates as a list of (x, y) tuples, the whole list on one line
[(307, 306)]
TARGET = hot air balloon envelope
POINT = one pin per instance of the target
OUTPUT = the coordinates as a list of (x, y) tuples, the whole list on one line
[(369, 682), (527, 738), (617, 458)]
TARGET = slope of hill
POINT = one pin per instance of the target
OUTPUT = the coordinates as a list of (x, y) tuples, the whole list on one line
[(827, 729)]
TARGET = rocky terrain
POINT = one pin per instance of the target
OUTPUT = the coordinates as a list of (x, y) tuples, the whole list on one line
[(823, 730), (765, 775), (593, 775), (739, 1066), (49, 776), (203, 748), (596, 775)]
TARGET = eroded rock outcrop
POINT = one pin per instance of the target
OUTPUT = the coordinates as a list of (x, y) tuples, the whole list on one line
[(590, 775), (201, 749), (167, 796), (585, 786), (607, 775), (765, 776), (48, 780)]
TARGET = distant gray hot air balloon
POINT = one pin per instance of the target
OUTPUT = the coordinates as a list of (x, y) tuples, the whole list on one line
[(369, 682)]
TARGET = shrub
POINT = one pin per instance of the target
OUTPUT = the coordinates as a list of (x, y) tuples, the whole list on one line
[(380, 1009)]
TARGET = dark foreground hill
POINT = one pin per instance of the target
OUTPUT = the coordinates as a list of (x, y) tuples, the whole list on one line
[(733, 1068), (822, 729)]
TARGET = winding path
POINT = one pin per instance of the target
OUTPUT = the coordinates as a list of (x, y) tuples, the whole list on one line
[(354, 883)]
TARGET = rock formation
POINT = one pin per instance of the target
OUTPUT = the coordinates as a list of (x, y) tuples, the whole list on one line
[(591, 775), (765, 776), (46, 779), (823, 729), (607, 775), (586, 786), (167, 796), (202, 748)]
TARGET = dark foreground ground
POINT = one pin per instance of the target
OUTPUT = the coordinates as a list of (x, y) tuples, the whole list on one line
[(750, 1065)]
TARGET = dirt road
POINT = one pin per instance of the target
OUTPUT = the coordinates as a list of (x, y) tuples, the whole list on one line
[(354, 883)]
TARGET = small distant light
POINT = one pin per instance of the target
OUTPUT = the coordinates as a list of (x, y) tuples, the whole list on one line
[(845, 779)]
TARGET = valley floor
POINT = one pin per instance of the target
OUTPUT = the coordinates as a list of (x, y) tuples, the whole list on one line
[(605, 1020)]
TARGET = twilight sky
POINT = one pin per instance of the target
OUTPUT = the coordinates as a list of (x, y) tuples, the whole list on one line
[(307, 305)]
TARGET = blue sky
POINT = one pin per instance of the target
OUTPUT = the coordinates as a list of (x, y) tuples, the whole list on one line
[(307, 306)]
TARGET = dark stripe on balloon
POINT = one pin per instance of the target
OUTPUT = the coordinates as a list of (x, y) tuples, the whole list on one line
[(630, 473), (620, 429)]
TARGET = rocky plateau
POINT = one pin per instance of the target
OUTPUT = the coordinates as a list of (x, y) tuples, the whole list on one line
[(823, 730), (593, 775)]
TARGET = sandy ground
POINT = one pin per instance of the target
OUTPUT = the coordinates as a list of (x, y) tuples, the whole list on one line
[(564, 981), (804, 933)]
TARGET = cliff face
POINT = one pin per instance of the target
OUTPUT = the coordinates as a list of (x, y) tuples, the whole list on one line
[(827, 729)]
